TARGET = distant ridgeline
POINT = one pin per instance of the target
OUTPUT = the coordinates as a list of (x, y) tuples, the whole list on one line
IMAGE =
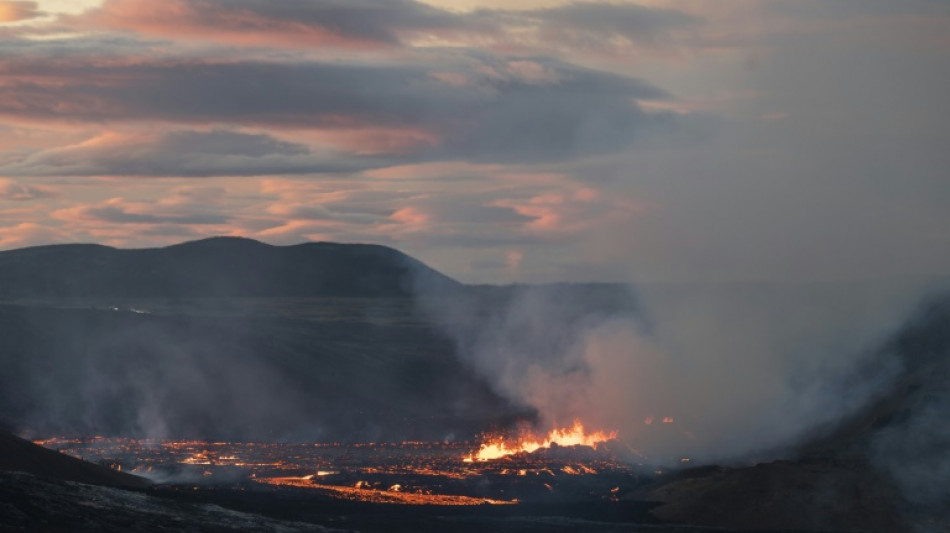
[(219, 266)]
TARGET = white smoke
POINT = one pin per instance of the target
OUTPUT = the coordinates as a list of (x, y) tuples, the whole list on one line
[(745, 370)]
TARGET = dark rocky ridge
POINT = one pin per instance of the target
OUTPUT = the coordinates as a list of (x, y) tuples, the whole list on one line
[(219, 267)]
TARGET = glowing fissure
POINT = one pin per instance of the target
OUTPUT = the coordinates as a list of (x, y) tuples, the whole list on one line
[(496, 447), (395, 494)]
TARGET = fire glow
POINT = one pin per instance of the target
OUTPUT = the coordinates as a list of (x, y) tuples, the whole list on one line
[(393, 495), (496, 447), (398, 473)]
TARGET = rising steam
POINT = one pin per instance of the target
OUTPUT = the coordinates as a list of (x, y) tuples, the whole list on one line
[(712, 374)]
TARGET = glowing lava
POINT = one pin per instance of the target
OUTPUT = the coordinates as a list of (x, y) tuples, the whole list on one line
[(395, 495), (497, 447)]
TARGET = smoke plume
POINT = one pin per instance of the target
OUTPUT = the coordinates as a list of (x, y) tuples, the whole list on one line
[(715, 374)]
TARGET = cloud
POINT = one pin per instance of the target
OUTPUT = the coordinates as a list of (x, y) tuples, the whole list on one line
[(508, 117), (599, 25), (16, 191), (300, 211), (817, 9), (185, 206), (413, 214), (292, 23), (16, 11), (477, 214), (110, 213), (31, 234), (572, 210), (179, 153), (629, 20), (375, 24), (56, 45)]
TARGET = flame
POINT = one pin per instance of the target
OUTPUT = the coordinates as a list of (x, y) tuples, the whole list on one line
[(497, 447)]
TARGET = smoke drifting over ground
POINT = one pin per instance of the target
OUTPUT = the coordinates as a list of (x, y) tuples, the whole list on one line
[(743, 372), (912, 444), (914, 452), (233, 369)]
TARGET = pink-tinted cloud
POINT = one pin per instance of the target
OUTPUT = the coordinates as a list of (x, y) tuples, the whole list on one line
[(513, 259), (13, 11), (394, 29), (34, 234), (118, 211), (289, 23), (184, 212), (390, 24), (16, 191), (621, 32), (369, 140), (313, 212), (207, 20), (437, 170), (296, 231), (573, 211), (192, 153), (384, 115), (533, 72), (411, 216), (349, 196)]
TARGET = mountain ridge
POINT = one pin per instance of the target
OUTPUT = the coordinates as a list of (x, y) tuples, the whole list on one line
[(216, 267)]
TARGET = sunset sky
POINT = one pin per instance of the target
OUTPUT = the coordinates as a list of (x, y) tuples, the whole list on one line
[(498, 141)]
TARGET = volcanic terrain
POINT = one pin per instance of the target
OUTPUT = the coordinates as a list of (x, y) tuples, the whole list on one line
[(244, 387)]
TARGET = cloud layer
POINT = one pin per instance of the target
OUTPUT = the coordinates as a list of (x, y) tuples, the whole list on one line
[(662, 140), (12, 11)]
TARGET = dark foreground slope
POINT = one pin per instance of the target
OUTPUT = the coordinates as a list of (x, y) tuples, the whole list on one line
[(29, 503), (18, 455), (220, 267), (44, 490)]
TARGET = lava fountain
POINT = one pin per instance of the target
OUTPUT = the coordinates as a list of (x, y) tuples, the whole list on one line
[(497, 446)]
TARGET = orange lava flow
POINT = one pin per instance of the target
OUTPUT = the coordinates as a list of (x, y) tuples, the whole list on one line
[(576, 435), (392, 496)]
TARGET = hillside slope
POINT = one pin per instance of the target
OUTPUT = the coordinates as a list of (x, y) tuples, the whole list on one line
[(18, 455), (267, 369)]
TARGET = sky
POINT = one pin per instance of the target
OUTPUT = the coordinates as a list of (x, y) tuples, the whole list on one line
[(498, 141)]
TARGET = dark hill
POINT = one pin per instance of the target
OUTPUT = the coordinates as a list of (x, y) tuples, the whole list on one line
[(218, 267), (18, 455)]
